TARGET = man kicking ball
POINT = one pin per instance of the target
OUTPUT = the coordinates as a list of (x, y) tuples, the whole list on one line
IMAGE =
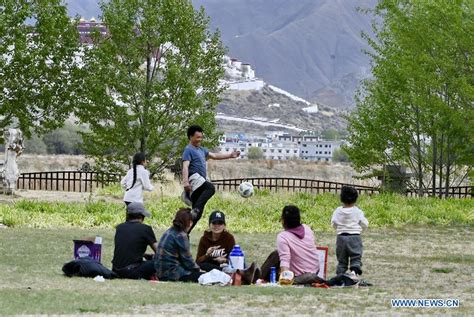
[(197, 189)]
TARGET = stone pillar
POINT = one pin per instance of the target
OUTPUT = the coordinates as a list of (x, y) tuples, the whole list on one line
[(394, 179)]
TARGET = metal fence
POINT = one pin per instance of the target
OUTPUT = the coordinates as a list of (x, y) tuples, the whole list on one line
[(291, 184), (453, 192), (81, 181), (72, 181)]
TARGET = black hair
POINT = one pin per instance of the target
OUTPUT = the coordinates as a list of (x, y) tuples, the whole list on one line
[(193, 129), (138, 159), (291, 217), (348, 195), (134, 217), (182, 219)]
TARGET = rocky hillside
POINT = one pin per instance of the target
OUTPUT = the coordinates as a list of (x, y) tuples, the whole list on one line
[(268, 110)]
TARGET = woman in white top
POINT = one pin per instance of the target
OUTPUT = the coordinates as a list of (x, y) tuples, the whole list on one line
[(137, 180)]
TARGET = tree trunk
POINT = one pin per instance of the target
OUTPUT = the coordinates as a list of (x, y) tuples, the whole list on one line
[(448, 168), (441, 161), (418, 152), (434, 166)]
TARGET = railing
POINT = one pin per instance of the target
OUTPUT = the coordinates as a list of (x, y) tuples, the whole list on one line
[(453, 192), (291, 184), (79, 181), (72, 181)]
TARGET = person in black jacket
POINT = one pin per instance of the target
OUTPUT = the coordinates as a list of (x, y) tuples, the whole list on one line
[(131, 241)]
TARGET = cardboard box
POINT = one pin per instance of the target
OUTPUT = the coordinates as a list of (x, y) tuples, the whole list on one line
[(88, 247)]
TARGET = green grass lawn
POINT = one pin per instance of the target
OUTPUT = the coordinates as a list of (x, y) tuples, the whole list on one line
[(414, 248), (260, 213), (408, 262)]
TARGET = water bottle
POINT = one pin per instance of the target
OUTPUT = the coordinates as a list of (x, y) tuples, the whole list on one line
[(273, 275), (97, 254), (236, 258)]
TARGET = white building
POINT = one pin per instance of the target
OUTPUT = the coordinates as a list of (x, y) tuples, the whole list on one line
[(235, 70), (282, 147), (317, 150), (280, 150), (229, 147)]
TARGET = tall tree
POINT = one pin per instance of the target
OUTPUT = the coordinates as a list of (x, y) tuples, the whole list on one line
[(38, 43), (418, 109), (156, 71)]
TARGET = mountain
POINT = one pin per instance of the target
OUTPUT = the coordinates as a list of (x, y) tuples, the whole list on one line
[(251, 105), (256, 111), (311, 48)]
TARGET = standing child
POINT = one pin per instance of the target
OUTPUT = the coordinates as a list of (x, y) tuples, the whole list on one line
[(349, 220), (137, 180)]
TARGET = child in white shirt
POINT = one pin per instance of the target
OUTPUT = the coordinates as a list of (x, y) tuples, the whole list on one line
[(349, 220)]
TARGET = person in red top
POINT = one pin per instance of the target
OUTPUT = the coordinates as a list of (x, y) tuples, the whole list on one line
[(216, 243)]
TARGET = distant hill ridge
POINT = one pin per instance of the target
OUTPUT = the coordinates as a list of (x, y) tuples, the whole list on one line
[(310, 48)]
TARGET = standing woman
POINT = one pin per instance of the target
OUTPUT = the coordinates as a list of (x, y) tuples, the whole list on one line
[(137, 180), (173, 259)]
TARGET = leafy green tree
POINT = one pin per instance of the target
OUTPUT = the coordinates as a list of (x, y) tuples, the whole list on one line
[(38, 43), (66, 140), (417, 110), (340, 155), (156, 72), (35, 145), (255, 153), (331, 134)]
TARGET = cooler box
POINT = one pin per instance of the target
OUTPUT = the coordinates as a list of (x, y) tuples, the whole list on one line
[(89, 247)]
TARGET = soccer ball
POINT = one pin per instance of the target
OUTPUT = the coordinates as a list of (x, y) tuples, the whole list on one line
[(246, 189)]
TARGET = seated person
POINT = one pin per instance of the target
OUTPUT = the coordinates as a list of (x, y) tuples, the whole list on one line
[(131, 241), (296, 250), (173, 260), (216, 243)]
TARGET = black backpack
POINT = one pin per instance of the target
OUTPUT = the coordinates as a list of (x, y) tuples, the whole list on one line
[(87, 267)]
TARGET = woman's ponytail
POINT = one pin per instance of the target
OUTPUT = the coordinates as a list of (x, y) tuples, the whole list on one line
[(138, 158)]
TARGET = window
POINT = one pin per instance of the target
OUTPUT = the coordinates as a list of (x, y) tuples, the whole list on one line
[(272, 150), (287, 151), (304, 144), (325, 145), (279, 151)]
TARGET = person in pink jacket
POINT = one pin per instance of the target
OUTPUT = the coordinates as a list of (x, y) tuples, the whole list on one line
[(296, 249)]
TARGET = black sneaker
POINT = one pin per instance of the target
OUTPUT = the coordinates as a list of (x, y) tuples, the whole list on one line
[(195, 212), (186, 198)]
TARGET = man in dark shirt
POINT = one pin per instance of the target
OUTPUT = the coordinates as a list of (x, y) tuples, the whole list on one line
[(131, 241)]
